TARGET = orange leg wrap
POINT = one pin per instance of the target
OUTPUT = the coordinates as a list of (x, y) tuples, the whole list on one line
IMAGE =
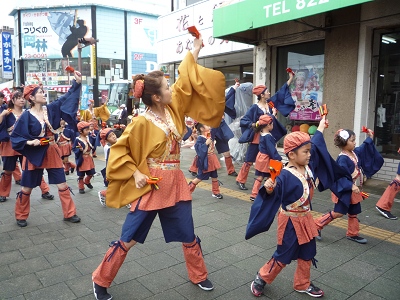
[(256, 188), (215, 186), (195, 264), (387, 198), (270, 270), (22, 206), (5, 185), (229, 165), (323, 220), (67, 204), (302, 275), (109, 267), (244, 172), (17, 172), (44, 186), (353, 225)]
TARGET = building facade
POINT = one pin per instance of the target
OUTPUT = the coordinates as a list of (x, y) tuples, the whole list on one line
[(47, 40), (233, 59), (345, 54)]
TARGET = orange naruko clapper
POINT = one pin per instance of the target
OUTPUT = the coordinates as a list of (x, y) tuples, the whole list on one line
[(153, 181), (44, 141), (275, 168), (194, 32), (69, 69), (364, 195), (323, 110), (365, 129)]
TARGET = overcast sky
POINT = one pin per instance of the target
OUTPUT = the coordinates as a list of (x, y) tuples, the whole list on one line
[(155, 6)]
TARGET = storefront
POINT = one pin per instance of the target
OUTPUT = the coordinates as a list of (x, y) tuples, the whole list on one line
[(345, 54), (47, 43), (233, 59)]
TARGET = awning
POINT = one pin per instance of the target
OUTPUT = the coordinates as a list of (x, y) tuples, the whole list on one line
[(239, 21)]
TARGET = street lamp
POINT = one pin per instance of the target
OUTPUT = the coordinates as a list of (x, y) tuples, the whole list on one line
[(82, 43)]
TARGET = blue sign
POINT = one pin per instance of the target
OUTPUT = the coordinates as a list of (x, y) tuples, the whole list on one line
[(7, 55)]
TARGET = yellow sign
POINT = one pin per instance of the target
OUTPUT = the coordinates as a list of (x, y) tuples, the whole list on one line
[(93, 60)]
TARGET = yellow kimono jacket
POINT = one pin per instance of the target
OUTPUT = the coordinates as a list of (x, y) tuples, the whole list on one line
[(101, 112), (198, 93)]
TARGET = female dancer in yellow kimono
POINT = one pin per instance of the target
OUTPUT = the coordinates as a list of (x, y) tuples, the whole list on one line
[(149, 147)]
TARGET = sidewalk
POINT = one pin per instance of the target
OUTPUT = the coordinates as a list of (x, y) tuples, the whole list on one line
[(52, 259)]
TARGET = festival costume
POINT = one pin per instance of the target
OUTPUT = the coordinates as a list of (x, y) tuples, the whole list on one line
[(207, 164), (283, 102), (64, 141), (154, 150), (267, 151), (296, 229), (385, 203), (84, 162), (91, 116), (367, 160), (47, 156)]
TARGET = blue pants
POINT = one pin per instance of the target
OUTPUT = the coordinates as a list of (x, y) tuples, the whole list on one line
[(176, 223)]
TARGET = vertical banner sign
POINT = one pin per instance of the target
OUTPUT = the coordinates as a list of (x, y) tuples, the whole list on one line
[(7, 55), (93, 59)]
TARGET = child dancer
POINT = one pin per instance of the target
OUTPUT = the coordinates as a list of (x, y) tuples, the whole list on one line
[(385, 203), (207, 161), (107, 139), (267, 151), (64, 141), (83, 157), (356, 161), (291, 193), (283, 102)]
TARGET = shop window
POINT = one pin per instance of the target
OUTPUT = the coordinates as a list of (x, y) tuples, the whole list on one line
[(110, 70), (243, 72), (387, 122), (307, 61)]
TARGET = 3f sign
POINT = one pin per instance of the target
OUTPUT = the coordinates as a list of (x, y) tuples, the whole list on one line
[(279, 7)]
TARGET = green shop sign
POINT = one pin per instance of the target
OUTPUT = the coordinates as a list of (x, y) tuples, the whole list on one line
[(251, 14)]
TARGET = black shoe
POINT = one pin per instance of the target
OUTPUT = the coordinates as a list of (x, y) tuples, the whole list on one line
[(73, 219), (66, 172), (94, 156), (100, 293), (357, 239), (312, 291), (257, 286), (218, 196), (206, 285), (22, 223), (241, 186), (18, 182), (233, 174), (81, 191), (3, 199), (47, 196), (386, 213), (194, 174), (252, 198), (72, 170), (89, 185)]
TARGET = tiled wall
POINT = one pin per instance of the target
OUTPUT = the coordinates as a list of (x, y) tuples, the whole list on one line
[(111, 33), (388, 170)]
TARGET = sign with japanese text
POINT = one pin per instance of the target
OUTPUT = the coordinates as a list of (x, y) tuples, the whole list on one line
[(143, 44), (251, 14), (173, 33), (54, 33), (7, 94), (7, 55)]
